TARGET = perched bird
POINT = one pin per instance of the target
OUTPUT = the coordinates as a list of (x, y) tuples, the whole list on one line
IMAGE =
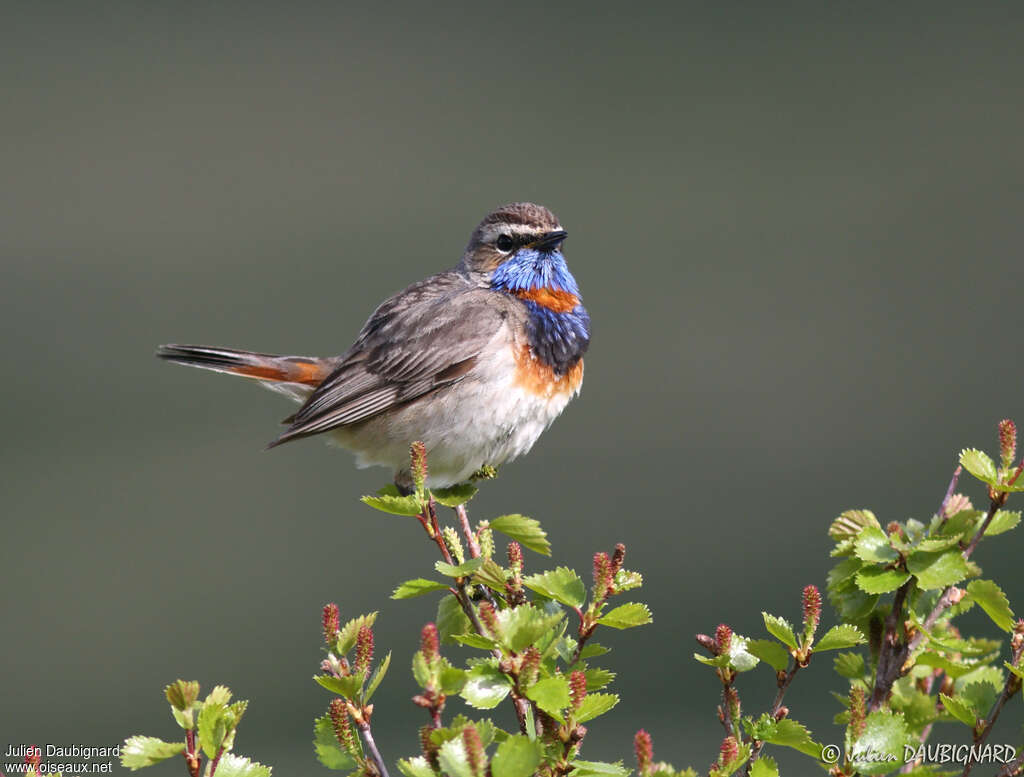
[(476, 361)]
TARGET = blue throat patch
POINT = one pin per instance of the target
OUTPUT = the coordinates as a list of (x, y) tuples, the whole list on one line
[(559, 340)]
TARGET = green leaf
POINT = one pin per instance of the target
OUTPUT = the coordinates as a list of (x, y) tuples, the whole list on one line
[(492, 575), (231, 765), (625, 580), (593, 650), (993, 601), (420, 670), (877, 580), (780, 629), (937, 570), (452, 679), (456, 495), (959, 709), (343, 686), (520, 627), (841, 636), (213, 726), (393, 504), (382, 669), (453, 759), (349, 632), (626, 616), (561, 584), (872, 545), (416, 767), (850, 523), (952, 668), (1002, 521), (769, 651), (595, 704), (526, 531), (764, 767), (462, 570), (980, 696), (1017, 670), (885, 734), (328, 750), (517, 756), (476, 641), (417, 587), (486, 686), (933, 544), (451, 620), (551, 695), (597, 678), (786, 732), (601, 769), (960, 522), (980, 465), (849, 665), (740, 658), (140, 751), (182, 694)]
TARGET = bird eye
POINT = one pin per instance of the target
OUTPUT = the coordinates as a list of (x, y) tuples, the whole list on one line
[(504, 243)]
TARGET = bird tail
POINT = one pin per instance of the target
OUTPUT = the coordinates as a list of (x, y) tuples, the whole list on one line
[(300, 371)]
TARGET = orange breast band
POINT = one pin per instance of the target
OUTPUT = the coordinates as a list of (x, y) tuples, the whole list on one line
[(557, 301)]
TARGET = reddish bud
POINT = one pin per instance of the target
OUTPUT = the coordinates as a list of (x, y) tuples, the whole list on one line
[(489, 617), (429, 643), (781, 712), (732, 701), (602, 575), (812, 609), (644, 749), (729, 751), (723, 638), (858, 712), (707, 643), (338, 713), (474, 748), (427, 744), (418, 459), (1007, 442), (618, 557), (331, 621), (515, 555), (34, 757), (893, 527), (364, 650), (577, 689), (530, 668)]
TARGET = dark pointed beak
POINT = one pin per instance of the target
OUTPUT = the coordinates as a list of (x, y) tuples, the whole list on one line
[(549, 240)]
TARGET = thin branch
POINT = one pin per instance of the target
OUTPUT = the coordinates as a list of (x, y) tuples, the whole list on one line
[(784, 682), (894, 652), (1010, 687), (367, 736), (909, 766), (949, 492), (945, 600), (428, 520), (192, 758), (1013, 768), (467, 531)]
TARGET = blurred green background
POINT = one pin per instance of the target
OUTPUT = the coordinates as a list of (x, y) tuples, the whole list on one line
[(797, 228)]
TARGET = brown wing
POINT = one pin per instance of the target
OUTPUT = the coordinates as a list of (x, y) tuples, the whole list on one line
[(423, 338)]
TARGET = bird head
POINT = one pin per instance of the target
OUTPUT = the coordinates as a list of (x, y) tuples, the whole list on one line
[(518, 248)]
